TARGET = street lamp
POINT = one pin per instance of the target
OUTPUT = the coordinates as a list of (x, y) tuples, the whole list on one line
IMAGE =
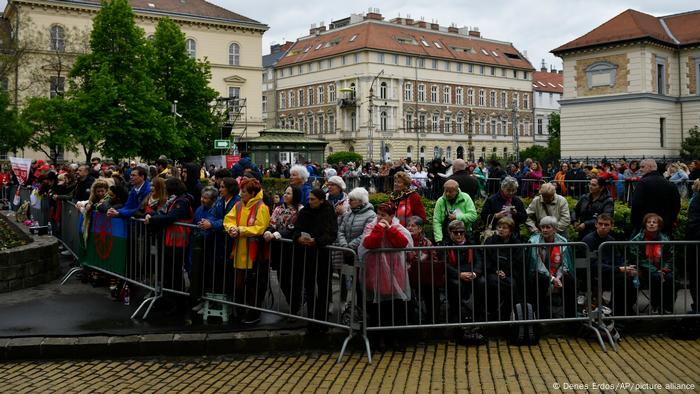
[(470, 131), (516, 147), (370, 151)]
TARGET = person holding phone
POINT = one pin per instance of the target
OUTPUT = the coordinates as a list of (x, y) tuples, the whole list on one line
[(504, 204)]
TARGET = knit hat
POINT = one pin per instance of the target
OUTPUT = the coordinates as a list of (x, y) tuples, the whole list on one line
[(336, 180)]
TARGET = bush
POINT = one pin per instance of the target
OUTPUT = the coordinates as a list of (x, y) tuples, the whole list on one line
[(275, 185), (345, 157)]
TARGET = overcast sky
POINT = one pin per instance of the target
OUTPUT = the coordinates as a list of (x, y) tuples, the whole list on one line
[(533, 26)]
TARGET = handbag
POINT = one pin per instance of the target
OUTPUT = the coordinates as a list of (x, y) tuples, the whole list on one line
[(488, 230)]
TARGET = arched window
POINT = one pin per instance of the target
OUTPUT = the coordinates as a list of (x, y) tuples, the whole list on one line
[(352, 87), (383, 121), (382, 91), (436, 152), (353, 122), (191, 48), (331, 93), (234, 54), (448, 152), (58, 39)]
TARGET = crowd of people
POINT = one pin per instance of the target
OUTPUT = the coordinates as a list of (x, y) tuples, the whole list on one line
[(243, 227)]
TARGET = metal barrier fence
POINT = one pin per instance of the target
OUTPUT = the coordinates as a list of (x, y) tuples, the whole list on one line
[(68, 231)]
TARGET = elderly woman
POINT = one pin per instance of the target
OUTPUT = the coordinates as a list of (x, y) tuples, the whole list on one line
[(426, 273), (548, 203), (597, 201), (654, 262), (386, 282), (551, 271), (353, 224), (406, 200), (336, 196), (504, 269), (315, 228), (245, 224), (504, 204), (299, 177)]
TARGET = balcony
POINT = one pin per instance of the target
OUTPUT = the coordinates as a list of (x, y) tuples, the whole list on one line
[(347, 136), (347, 103)]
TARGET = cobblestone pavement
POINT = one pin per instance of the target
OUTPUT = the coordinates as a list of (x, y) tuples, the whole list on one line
[(650, 364)]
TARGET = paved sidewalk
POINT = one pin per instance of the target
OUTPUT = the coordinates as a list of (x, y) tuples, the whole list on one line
[(649, 364)]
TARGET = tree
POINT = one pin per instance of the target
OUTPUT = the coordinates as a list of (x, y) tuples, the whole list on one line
[(15, 135), (690, 147), (552, 152), (554, 125), (186, 81), (114, 89), (50, 130), (345, 157)]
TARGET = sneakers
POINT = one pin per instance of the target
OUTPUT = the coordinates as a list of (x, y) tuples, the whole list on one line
[(251, 317), (472, 337), (198, 307)]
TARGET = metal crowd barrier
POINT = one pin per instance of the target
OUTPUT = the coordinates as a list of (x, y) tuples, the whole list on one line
[(421, 288), (68, 231)]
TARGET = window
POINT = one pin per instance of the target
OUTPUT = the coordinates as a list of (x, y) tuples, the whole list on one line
[(282, 101), (409, 61), (504, 127), (458, 94), (292, 99), (421, 92), (436, 152), (515, 73), (498, 128), (331, 93), (382, 90), (354, 36), (421, 122), (425, 43), (57, 87), (662, 131), (661, 76), (448, 123), (503, 72), (540, 126), (311, 96), (460, 121), (526, 75), (481, 70), (421, 62), (395, 59), (191, 48), (448, 152), (493, 99), (470, 96), (435, 64), (482, 98), (330, 63), (515, 101), (447, 66), (436, 123), (343, 60), (380, 58), (493, 126), (446, 95), (408, 91), (470, 68), (526, 127), (353, 122), (58, 39), (234, 58), (331, 123), (459, 67), (301, 98), (504, 100), (601, 74), (433, 94), (353, 94), (526, 101), (383, 121), (493, 70), (482, 125), (264, 104), (409, 121), (320, 95), (356, 58), (322, 127)]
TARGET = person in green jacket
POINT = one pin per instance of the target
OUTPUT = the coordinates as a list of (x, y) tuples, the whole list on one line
[(653, 262), (452, 205)]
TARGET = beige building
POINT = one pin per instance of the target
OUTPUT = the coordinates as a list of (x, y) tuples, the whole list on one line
[(405, 88), (631, 86), (54, 32)]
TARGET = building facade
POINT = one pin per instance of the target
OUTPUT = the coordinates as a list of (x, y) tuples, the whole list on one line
[(548, 87), (405, 88), (631, 86), (269, 89), (53, 33)]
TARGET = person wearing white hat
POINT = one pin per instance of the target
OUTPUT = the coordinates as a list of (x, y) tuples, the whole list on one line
[(337, 197)]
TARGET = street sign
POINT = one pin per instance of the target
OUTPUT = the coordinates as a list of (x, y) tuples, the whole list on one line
[(222, 144)]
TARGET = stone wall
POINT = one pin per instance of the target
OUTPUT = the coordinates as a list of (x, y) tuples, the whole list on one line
[(29, 265)]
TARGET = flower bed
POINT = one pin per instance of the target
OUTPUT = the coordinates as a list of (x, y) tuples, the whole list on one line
[(9, 237)]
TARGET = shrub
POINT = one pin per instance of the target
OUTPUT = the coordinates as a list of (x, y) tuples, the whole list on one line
[(275, 185), (345, 157)]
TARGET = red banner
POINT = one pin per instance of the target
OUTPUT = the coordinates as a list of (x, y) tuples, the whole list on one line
[(231, 160), (21, 168)]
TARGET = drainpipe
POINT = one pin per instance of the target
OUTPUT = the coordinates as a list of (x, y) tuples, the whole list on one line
[(680, 87)]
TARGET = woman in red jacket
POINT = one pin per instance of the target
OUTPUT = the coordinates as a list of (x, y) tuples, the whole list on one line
[(406, 200)]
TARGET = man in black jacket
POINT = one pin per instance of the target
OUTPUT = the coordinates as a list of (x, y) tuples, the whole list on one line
[(85, 181), (467, 183), (655, 194)]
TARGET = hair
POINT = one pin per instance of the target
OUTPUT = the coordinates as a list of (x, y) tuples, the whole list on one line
[(605, 217), (649, 162), (318, 193), (175, 186), (360, 194), (251, 185), (296, 195), (403, 177), (222, 173), (120, 193), (142, 172), (451, 183), (549, 221), (98, 184), (548, 188), (210, 192), (158, 189), (417, 220), (602, 182), (387, 208), (651, 216), (231, 185), (459, 165), (509, 183), (696, 185), (301, 171), (508, 222), (455, 225), (162, 163)]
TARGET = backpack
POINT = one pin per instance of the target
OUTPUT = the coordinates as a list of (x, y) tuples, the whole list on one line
[(523, 334)]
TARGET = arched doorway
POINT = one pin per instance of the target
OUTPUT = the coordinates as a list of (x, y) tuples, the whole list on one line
[(460, 152)]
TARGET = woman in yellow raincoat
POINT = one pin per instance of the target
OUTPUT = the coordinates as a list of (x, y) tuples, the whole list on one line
[(246, 223)]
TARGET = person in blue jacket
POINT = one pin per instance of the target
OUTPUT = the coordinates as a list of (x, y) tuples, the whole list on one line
[(244, 163), (140, 189)]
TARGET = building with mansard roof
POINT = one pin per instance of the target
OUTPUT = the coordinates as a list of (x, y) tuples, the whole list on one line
[(548, 87), (55, 32), (405, 88), (631, 86)]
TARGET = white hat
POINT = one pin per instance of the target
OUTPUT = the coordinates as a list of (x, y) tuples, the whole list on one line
[(336, 180)]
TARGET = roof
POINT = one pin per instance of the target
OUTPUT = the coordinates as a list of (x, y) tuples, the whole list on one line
[(391, 37), (272, 58), (197, 8), (635, 25), (284, 136), (545, 81)]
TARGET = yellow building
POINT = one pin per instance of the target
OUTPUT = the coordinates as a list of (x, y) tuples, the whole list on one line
[(631, 86), (431, 88), (54, 32)]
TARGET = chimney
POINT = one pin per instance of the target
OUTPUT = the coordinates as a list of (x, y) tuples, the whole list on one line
[(453, 29), (561, 72), (543, 68), (409, 21), (422, 24), (474, 33), (375, 15), (434, 26), (321, 29), (312, 30)]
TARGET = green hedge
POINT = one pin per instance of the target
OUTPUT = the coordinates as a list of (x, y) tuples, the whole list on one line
[(275, 185), (345, 157)]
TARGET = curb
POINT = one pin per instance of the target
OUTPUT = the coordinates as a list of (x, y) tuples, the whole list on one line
[(173, 344)]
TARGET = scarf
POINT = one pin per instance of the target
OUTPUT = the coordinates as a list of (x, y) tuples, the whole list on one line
[(652, 251), (395, 196), (507, 200), (153, 202), (334, 200)]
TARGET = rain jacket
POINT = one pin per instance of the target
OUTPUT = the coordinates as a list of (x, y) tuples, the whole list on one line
[(443, 208), (540, 257), (251, 218)]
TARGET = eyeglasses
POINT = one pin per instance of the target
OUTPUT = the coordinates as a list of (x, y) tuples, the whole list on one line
[(457, 232)]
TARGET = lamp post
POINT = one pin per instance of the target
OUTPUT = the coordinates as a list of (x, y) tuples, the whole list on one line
[(516, 144), (370, 150)]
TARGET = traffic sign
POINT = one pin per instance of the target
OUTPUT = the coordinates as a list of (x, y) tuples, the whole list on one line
[(222, 144)]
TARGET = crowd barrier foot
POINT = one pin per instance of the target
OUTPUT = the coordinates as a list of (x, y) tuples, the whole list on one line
[(345, 345), (69, 274), (150, 300), (367, 349), (596, 331), (603, 328)]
